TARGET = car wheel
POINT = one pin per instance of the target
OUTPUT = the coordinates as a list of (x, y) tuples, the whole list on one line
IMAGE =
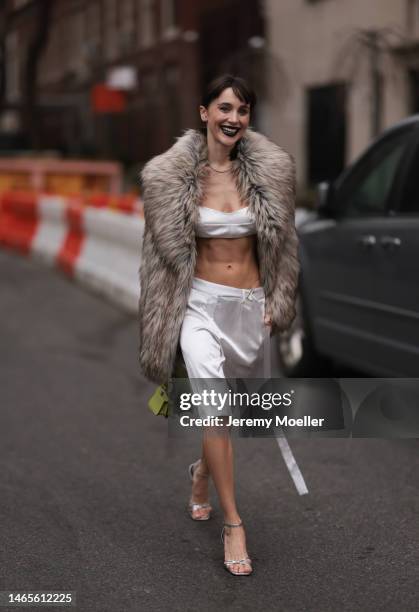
[(296, 352)]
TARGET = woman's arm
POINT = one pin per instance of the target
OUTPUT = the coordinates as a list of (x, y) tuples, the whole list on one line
[(283, 277), (280, 304)]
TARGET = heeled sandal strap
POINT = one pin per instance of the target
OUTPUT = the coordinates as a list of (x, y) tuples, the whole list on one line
[(192, 469), (229, 525), (193, 506), (245, 561)]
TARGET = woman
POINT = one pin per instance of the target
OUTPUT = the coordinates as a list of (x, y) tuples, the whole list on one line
[(219, 269)]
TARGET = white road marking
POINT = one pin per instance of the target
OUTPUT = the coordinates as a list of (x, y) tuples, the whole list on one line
[(271, 367), (292, 466)]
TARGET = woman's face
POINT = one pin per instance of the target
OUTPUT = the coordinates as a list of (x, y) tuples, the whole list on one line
[(227, 118)]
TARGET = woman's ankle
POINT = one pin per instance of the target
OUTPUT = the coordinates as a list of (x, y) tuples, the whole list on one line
[(232, 519), (200, 472)]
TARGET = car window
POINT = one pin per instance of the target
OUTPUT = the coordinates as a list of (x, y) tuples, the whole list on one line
[(367, 189), (409, 200)]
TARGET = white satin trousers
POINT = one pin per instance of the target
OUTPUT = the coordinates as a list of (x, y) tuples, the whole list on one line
[(223, 335)]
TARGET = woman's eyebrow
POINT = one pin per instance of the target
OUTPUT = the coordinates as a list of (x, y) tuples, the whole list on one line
[(244, 105)]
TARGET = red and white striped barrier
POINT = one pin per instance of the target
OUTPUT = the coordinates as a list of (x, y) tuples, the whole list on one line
[(19, 220), (100, 247)]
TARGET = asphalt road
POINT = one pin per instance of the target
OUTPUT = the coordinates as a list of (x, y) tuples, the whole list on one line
[(93, 491)]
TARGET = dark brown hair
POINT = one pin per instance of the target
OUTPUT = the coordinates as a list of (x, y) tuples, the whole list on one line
[(241, 89)]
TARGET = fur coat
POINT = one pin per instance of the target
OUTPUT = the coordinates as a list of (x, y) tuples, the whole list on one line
[(171, 191)]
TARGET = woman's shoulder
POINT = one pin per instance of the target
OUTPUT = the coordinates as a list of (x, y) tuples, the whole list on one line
[(270, 163), (257, 145)]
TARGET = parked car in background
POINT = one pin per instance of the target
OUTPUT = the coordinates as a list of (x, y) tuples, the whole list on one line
[(358, 298)]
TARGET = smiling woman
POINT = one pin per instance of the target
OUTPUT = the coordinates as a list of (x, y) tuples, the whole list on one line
[(219, 274), (230, 115)]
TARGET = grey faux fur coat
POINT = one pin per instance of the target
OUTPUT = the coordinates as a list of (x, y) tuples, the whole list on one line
[(171, 192)]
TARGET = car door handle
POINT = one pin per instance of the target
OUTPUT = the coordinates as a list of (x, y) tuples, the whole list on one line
[(390, 242), (367, 241)]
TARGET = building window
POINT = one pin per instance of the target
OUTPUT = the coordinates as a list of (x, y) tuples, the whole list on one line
[(147, 22), (93, 18), (12, 57), (171, 81), (126, 27), (168, 19), (326, 132), (18, 4), (110, 37)]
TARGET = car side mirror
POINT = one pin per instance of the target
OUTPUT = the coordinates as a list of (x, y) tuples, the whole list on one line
[(324, 196)]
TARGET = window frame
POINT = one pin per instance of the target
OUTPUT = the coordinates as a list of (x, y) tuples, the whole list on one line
[(403, 178), (358, 172)]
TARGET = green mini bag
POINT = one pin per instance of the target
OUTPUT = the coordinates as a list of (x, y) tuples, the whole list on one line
[(159, 403)]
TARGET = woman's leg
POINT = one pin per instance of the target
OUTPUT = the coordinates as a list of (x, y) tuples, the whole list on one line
[(200, 488), (218, 454), (204, 359)]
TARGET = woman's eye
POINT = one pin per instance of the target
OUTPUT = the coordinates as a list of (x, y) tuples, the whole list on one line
[(226, 109)]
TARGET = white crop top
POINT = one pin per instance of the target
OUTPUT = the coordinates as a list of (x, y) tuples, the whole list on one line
[(218, 224)]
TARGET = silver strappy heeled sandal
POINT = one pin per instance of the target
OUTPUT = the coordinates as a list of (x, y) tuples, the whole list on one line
[(193, 506), (245, 561)]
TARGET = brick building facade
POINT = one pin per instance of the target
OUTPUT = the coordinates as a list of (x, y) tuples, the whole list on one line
[(174, 46)]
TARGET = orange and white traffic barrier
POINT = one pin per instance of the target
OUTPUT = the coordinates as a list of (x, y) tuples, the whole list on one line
[(127, 203), (110, 255), (72, 245), (19, 220), (51, 229), (99, 247)]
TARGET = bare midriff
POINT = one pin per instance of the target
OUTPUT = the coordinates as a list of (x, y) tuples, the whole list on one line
[(226, 261)]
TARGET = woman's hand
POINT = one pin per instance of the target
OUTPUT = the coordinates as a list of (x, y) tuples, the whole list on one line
[(268, 321)]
